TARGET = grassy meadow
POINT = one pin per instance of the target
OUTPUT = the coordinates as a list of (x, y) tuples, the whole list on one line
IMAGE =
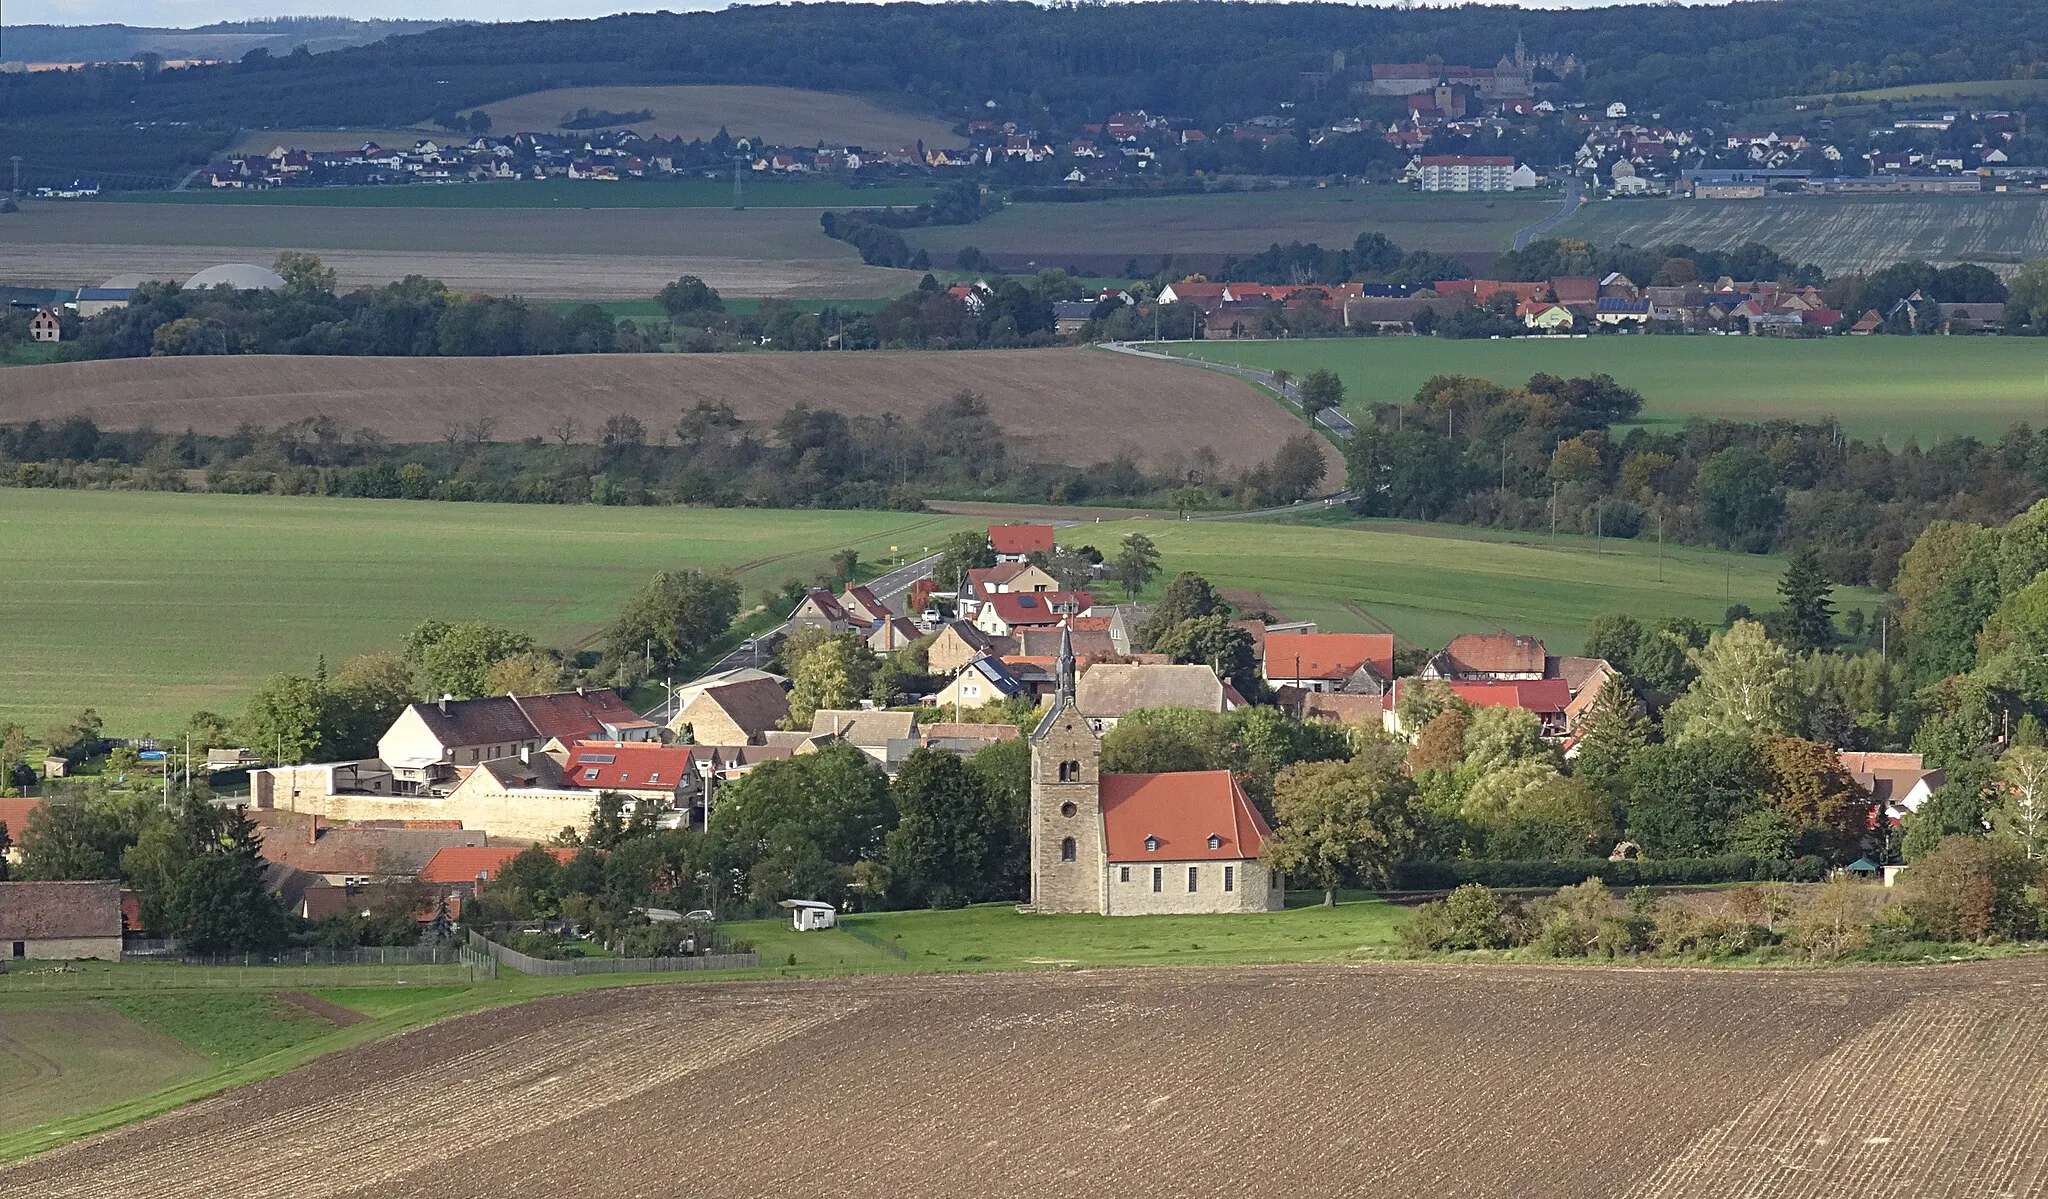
[(148, 606), (1889, 387), (161, 604), (1426, 583)]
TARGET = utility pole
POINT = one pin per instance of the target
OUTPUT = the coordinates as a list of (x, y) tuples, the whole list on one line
[(1660, 544), (16, 160), (739, 199)]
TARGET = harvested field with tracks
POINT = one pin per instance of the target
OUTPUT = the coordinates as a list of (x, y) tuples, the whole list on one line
[(566, 254), (1840, 233), (1400, 1080), (1075, 406)]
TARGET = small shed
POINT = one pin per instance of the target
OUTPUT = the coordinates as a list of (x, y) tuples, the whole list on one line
[(809, 915), (1863, 868)]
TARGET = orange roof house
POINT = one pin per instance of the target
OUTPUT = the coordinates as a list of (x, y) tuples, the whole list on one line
[(1014, 543), (1488, 656), (459, 865), (1330, 661)]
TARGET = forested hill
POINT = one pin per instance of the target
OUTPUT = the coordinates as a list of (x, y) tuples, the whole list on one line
[(1208, 61)]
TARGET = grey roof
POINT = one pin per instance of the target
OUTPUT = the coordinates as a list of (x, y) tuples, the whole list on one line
[(755, 705), (862, 727), (58, 911), (1116, 688), (492, 720), (343, 849)]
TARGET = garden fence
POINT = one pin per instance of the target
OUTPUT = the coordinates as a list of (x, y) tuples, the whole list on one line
[(889, 947), (528, 964), (363, 955)]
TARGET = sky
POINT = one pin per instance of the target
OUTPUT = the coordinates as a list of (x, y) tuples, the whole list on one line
[(187, 13)]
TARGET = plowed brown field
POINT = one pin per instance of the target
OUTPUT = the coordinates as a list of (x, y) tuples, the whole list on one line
[(1382, 1081), (1075, 406)]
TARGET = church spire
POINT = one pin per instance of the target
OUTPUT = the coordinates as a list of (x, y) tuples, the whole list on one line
[(1066, 664)]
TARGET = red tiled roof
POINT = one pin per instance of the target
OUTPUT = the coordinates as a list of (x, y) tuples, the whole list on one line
[(1020, 539), (1496, 653), (615, 765), (1182, 811), (463, 864), (573, 714), (1575, 289), (1537, 695), (1038, 607), (14, 814), (1327, 655)]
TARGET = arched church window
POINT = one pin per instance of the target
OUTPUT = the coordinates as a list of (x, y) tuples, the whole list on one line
[(1070, 772), (1067, 850)]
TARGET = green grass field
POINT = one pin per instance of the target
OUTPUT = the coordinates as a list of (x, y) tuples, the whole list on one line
[(148, 606), (163, 604), (1840, 233), (1889, 387), (551, 193), (63, 1058), (1427, 583)]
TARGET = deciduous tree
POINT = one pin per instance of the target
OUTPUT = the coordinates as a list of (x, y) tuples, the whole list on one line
[(1335, 821), (1745, 687)]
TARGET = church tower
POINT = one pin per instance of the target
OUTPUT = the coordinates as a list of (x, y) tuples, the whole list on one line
[(1069, 862)]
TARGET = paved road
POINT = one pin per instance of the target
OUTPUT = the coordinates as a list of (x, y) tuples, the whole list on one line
[(1574, 192), (1329, 418)]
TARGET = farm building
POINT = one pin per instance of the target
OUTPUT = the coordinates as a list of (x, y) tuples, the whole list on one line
[(1361, 663), (14, 814), (1137, 844), (60, 921), (735, 713)]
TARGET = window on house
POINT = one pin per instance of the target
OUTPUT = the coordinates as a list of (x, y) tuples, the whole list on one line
[(1123, 874), (1158, 878), (1273, 880), (1215, 842), (1068, 808), (590, 775), (20, 949), (1194, 872), (1067, 850), (1230, 878), (1151, 845)]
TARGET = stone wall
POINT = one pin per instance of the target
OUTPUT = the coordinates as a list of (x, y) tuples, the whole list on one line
[(69, 949), (1253, 891), (505, 815)]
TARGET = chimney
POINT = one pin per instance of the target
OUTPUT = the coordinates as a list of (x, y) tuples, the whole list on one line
[(579, 691), (445, 697), (525, 754), (313, 830)]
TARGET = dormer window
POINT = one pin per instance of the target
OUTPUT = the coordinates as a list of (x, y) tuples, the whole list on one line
[(1151, 845), (1215, 842)]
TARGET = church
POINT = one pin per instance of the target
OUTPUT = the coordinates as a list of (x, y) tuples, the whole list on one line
[(1137, 844)]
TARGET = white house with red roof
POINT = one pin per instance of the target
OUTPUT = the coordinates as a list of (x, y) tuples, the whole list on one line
[(1015, 543), (1359, 663), (1187, 842), (1005, 613)]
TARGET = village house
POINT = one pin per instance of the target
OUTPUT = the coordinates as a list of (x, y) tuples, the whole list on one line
[(1109, 691), (1137, 844), (1015, 543), (60, 921), (347, 855), (14, 817), (427, 741), (1547, 698), (820, 609), (1003, 579), (890, 634), (1356, 663), (735, 713), (1002, 614), (980, 681), (46, 325), (956, 644), (876, 733), (1898, 782), (861, 606), (453, 870), (1495, 657)]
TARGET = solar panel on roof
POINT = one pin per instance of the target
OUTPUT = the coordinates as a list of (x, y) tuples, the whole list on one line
[(1026, 601), (607, 759)]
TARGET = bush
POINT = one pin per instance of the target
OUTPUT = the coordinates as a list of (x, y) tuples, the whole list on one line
[(1471, 918), (1835, 921), (1666, 872), (1972, 889)]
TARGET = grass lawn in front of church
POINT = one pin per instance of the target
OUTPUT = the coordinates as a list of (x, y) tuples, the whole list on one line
[(999, 937)]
